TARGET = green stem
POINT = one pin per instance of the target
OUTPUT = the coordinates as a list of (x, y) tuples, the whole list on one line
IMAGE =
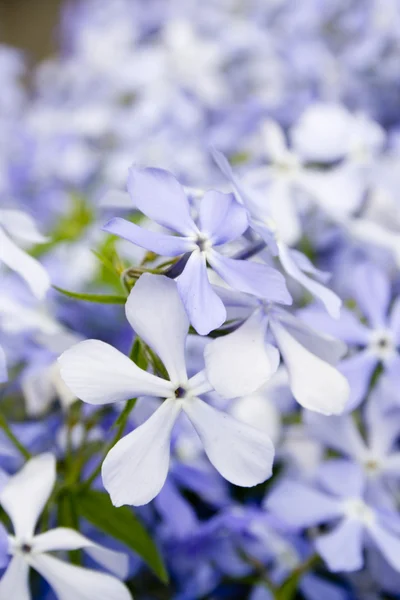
[(20, 447)]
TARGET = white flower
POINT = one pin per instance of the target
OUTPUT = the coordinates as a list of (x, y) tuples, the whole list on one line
[(308, 355), (136, 468), (19, 225), (23, 498)]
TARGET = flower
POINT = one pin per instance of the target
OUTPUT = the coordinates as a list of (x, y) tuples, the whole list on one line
[(21, 226), (309, 356), (221, 220), (135, 469), (23, 498), (342, 504), (268, 225)]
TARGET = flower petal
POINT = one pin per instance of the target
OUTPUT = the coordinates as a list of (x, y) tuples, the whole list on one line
[(222, 218), (155, 311), (15, 581), (63, 538), (372, 291), (21, 225), (301, 506), (160, 243), (27, 267), (205, 309), (251, 277), (241, 362), (358, 370), (337, 433), (342, 548), (331, 301), (315, 384), (97, 373), (69, 581), (325, 346), (3, 366), (347, 328), (34, 481), (387, 542), (241, 453), (160, 196), (135, 470)]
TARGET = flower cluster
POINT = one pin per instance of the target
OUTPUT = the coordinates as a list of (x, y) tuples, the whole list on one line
[(199, 304)]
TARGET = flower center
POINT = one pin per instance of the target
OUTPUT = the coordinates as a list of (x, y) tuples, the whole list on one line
[(355, 508), (382, 344), (372, 466), (26, 548), (203, 243), (180, 392)]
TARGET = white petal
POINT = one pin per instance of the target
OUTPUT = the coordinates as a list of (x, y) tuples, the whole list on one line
[(242, 454), (135, 470), (25, 494), (15, 581), (27, 267), (63, 538), (331, 301), (258, 410), (241, 362), (75, 583), (21, 225), (155, 311), (274, 140), (327, 347), (97, 373), (315, 384)]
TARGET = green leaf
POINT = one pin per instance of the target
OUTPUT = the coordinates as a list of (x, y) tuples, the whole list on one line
[(98, 298), (121, 523), (138, 355)]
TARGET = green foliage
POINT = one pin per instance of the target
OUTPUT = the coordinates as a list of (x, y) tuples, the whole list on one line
[(70, 226), (96, 298), (121, 524)]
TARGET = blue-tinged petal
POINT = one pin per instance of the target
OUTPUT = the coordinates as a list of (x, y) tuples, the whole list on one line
[(3, 366), (394, 320), (301, 506), (250, 277), (337, 433), (160, 243), (342, 548), (248, 200), (347, 328), (358, 370), (159, 195), (177, 513), (331, 301), (342, 478), (372, 291), (222, 218), (387, 542), (316, 588), (205, 309)]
